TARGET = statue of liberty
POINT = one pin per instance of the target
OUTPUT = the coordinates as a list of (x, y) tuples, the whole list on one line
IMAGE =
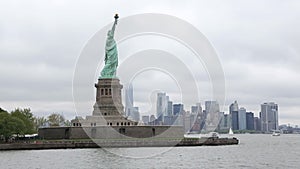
[(111, 54)]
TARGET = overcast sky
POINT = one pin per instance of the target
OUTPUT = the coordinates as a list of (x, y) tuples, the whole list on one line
[(257, 42)]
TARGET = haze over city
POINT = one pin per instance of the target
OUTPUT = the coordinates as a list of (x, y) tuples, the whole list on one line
[(256, 43)]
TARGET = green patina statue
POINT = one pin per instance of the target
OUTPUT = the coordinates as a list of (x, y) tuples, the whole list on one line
[(111, 54)]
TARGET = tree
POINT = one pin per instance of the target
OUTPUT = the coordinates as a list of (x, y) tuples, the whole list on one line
[(39, 121), (28, 119), (1, 110), (10, 125), (56, 119)]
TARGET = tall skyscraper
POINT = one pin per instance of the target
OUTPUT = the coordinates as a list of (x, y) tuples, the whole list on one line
[(242, 118), (128, 99), (269, 117), (249, 121), (161, 105), (235, 120), (234, 107), (170, 108)]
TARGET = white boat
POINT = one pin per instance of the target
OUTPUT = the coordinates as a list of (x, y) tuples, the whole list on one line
[(230, 133), (213, 135), (276, 133)]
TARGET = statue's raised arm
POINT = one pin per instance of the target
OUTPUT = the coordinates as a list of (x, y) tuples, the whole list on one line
[(114, 25), (111, 54)]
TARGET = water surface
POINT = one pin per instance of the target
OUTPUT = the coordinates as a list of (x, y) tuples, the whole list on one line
[(254, 151)]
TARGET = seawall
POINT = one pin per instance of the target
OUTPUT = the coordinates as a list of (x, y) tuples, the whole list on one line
[(69, 144)]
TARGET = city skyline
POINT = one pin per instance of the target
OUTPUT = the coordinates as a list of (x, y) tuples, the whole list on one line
[(212, 119), (257, 47)]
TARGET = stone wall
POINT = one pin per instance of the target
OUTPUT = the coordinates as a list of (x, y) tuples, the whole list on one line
[(113, 132)]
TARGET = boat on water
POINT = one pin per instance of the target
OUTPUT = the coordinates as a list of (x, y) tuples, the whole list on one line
[(276, 133), (207, 135), (213, 135), (230, 133)]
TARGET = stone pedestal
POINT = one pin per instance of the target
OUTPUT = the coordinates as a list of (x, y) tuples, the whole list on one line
[(108, 98), (108, 109)]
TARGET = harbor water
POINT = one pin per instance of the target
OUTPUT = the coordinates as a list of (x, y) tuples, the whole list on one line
[(253, 151)]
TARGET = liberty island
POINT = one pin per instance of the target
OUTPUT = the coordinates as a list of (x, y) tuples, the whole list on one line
[(108, 126)]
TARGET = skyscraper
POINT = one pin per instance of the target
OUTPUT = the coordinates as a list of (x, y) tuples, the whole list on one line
[(128, 99), (249, 121), (242, 118), (257, 124), (233, 117), (233, 107), (177, 109), (235, 120), (170, 108), (269, 117), (161, 105)]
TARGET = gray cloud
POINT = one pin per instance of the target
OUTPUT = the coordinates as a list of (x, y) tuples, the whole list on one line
[(257, 43)]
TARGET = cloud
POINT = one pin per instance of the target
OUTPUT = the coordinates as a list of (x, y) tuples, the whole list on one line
[(257, 43)]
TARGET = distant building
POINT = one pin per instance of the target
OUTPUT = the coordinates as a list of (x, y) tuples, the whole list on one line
[(178, 120), (135, 114), (235, 120), (128, 99), (269, 117), (212, 110), (196, 109), (146, 119), (249, 121), (177, 109), (152, 119), (242, 119), (257, 124), (170, 108), (187, 121), (223, 121), (161, 105), (193, 120), (227, 121), (233, 107), (212, 107), (169, 120)]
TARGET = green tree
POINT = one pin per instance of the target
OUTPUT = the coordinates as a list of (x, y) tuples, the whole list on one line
[(1, 110), (10, 125), (56, 119), (28, 119)]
